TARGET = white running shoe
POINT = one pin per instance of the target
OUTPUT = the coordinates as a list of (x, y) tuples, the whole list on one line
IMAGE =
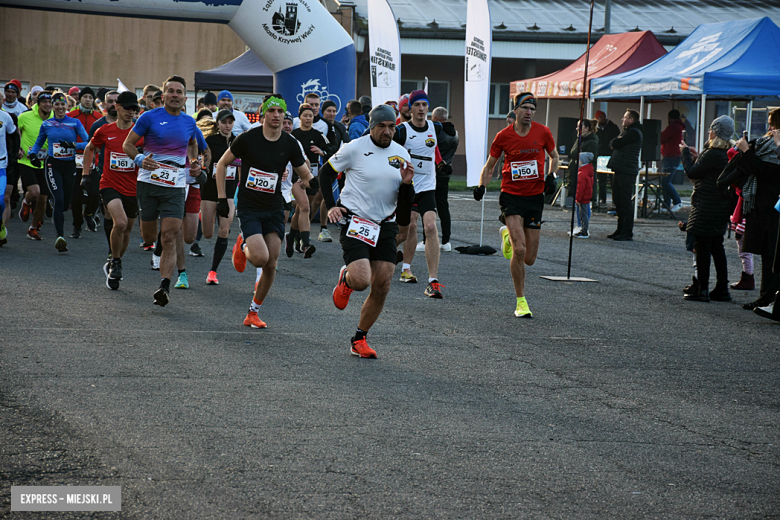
[(155, 262), (420, 246), (676, 207), (446, 247)]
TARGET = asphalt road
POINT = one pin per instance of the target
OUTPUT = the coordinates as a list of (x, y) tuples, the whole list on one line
[(618, 400)]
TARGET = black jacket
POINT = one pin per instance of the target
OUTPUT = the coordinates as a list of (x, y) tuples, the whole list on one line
[(448, 141), (761, 224), (710, 208), (626, 149), (606, 135)]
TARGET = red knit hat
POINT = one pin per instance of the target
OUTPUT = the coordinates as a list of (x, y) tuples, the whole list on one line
[(15, 83), (73, 92)]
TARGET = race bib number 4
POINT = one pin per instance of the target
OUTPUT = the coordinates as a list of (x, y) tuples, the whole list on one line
[(364, 230), (165, 175), (261, 181), (60, 152), (525, 170), (120, 162)]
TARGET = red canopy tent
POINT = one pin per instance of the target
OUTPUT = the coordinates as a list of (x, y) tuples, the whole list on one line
[(612, 54)]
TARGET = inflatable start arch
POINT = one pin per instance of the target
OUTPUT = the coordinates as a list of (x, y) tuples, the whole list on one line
[(302, 44)]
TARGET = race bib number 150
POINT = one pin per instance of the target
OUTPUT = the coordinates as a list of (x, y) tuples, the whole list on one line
[(525, 170)]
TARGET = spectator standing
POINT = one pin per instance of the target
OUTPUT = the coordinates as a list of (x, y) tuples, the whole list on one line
[(606, 132), (625, 163), (357, 122), (448, 145), (709, 210), (671, 138)]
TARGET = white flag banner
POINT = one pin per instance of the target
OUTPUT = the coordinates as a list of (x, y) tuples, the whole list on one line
[(385, 52), (121, 86), (479, 40)]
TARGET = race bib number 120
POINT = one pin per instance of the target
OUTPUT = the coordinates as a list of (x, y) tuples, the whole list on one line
[(525, 170), (261, 181), (363, 230)]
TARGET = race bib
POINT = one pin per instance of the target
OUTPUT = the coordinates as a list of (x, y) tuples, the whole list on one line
[(79, 160), (364, 230), (525, 170), (315, 169), (165, 175), (230, 172), (120, 162), (261, 181), (60, 152)]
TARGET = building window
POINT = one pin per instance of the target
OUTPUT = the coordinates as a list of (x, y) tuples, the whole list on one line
[(498, 105), (438, 92)]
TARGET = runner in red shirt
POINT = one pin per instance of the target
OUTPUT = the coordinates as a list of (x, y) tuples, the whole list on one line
[(118, 182), (522, 189)]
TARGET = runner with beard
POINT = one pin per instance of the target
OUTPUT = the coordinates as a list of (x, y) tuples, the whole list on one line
[(264, 152), (117, 182), (378, 190)]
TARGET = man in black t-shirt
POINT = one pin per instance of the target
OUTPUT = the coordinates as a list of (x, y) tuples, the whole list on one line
[(264, 152)]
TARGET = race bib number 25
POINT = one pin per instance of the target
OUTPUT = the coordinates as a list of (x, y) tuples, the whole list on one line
[(364, 230)]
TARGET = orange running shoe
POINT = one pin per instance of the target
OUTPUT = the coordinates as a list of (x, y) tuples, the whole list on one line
[(32, 234), (361, 348), (239, 258), (341, 292), (211, 278), (24, 212), (253, 321)]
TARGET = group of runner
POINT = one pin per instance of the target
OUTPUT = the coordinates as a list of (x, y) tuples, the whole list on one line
[(158, 166)]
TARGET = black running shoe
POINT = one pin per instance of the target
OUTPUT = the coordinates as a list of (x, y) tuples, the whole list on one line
[(161, 297), (116, 269), (76, 232), (195, 250), (288, 245), (308, 251)]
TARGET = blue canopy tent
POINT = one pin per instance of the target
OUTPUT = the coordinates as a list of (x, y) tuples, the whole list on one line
[(728, 60)]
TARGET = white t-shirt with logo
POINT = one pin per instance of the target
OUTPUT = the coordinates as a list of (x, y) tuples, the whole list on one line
[(373, 176), (6, 127)]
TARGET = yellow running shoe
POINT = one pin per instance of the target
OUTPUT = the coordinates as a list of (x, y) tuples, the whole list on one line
[(506, 244), (407, 276), (522, 310)]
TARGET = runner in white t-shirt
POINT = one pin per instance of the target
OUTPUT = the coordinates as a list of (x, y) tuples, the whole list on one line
[(378, 189)]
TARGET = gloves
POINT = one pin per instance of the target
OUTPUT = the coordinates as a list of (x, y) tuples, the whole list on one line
[(550, 184), (444, 169), (70, 145), (479, 192), (86, 183), (223, 210), (314, 184), (34, 160)]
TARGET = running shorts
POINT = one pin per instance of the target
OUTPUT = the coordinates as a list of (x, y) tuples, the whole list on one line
[(129, 204), (384, 251), (261, 222), (528, 208), (192, 204), (159, 201), (424, 202)]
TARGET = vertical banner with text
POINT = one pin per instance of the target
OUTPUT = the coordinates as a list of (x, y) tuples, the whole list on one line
[(384, 45), (479, 40)]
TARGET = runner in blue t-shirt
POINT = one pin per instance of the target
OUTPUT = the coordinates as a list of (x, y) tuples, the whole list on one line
[(170, 155), (61, 132)]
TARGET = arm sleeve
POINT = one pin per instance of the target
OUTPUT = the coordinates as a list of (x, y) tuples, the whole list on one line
[(698, 169), (403, 211), (326, 175)]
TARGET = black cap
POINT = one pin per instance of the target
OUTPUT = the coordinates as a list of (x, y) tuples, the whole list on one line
[(85, 91), (224, 114), (210, 98), (101, 94), (128, 100), (157, 95)]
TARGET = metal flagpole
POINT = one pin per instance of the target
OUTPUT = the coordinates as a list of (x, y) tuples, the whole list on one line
[(482, 221), (583, 101)]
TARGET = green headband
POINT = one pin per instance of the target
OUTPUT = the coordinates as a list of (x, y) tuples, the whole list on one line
[(274, 102)]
